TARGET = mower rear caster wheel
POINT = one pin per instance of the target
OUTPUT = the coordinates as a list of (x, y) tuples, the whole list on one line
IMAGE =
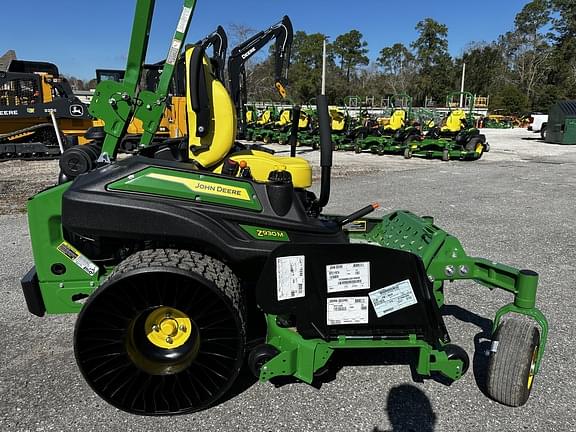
[(407, 153), (266, 140), (381, 152), (512, 362), (357, 149), (259, 356), (165, 334), (445, 155), (454, 352)]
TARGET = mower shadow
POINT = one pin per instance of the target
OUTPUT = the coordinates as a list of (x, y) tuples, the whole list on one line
[(409, 409), (482, 341)]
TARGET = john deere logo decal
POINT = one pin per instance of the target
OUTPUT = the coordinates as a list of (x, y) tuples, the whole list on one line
[(205, 187)]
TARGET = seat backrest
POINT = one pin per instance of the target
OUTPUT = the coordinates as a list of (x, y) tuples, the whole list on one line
[(284, 118), (397, 120), (454, 121), (338, 120), (264, 118), (212, 148), (303, 121)]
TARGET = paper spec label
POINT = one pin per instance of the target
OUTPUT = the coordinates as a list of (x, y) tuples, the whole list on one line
[(392, 298), (347, 310), (77, 258), (184, 18), (290, 279), (346, 277)]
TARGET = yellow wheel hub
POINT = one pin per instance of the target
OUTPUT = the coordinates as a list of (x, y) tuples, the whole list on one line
[(168, 328), (532, 369), (479, 148)]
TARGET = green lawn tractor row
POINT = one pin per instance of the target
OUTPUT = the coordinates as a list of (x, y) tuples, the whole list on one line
[(456, 138), (189, 260)]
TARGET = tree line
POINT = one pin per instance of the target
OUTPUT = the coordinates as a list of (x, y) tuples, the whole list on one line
[(526, 69)]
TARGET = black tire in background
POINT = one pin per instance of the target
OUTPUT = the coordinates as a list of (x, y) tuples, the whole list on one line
[(543, 131)]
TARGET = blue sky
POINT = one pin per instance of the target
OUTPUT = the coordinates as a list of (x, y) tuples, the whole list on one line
[(80, 36)]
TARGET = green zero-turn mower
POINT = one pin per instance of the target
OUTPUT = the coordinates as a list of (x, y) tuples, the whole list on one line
[(457, 138), (178, 257)]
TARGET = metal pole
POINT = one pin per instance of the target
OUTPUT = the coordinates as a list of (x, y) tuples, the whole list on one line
[(57, 131), (324, 65), (462, 85)]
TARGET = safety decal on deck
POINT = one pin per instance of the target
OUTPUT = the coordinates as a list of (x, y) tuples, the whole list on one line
[(347, 310), (184, 18), (393, 298), (290, 277), (77, 258), (348, 276)]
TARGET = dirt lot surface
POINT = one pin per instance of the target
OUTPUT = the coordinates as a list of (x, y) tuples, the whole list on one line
[(515, 206)]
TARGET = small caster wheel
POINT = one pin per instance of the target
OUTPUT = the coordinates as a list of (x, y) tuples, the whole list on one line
[(445, 155), (259, 356), (357, 149), (381, 152), (512, 362), (407, 153), (454, 352)]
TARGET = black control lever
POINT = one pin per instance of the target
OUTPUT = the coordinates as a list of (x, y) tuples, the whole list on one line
[(294, 130), (358, 214), (325, 149)]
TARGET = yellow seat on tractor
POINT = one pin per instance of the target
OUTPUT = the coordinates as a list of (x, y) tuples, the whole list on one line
[(397, 120), (454, 122), (210, 148), (249, 116), (265, 118), (338, 123), (284, 119), (303, 121)]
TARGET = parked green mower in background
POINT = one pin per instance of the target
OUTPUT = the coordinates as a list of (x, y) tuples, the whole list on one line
[(457, 138), (188, 260)]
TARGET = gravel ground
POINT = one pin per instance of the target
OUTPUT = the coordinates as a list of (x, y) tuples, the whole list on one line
[(515, 205)]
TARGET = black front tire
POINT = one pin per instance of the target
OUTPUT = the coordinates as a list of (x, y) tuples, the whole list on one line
[(512, 361), (543, 132)]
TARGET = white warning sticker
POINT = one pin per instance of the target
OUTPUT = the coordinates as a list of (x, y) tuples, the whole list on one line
[(392, 298), (347, 310), (290, 277), (347, 277), (77, 258), (184, 18), (174, 51)]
